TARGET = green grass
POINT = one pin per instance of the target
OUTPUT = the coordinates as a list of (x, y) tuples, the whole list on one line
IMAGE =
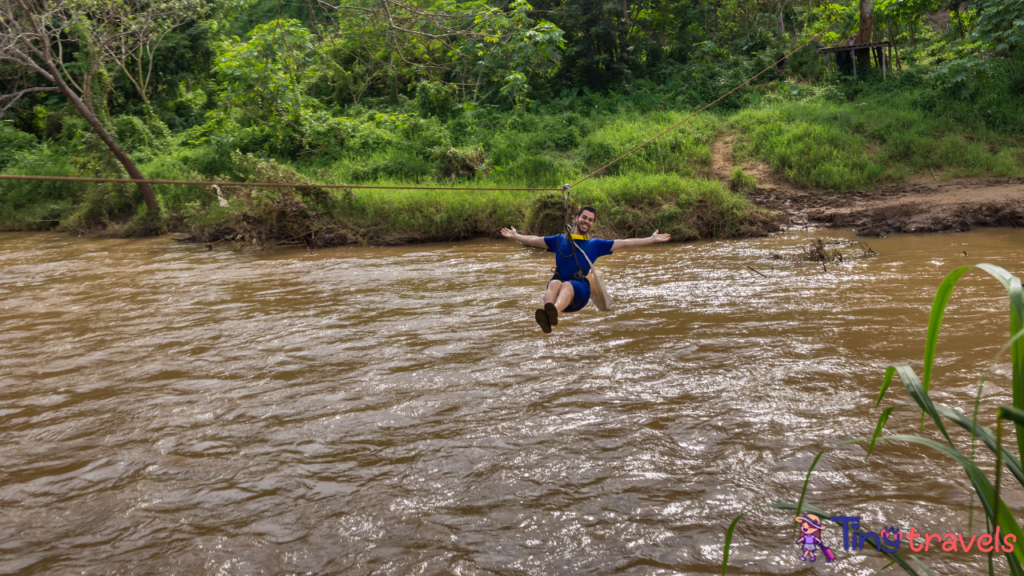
[(689, 209), (810, 136), (842, 147), (685, 150)]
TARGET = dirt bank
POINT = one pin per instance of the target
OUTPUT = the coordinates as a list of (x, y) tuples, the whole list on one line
[(924, 204), (953, 206)]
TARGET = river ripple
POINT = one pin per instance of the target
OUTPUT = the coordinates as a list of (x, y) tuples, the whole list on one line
[(168, 410)]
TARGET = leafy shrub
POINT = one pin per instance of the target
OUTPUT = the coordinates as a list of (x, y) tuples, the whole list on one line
[(13, 141), (140, 139), (72, 128), (455, 163), (29, 205), (101, 204), (324, 135), (435, 99), (566, 131), (266, 75), (174, 197)]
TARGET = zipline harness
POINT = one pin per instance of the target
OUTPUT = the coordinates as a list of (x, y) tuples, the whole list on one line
[(569, 229)]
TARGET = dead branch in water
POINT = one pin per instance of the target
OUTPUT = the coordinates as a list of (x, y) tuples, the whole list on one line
[(824, 250)]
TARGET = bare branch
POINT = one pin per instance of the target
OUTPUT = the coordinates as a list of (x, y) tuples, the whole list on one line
[(17, 96)]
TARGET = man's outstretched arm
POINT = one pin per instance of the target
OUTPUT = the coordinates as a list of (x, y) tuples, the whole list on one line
[(537, 241), (634, 242)]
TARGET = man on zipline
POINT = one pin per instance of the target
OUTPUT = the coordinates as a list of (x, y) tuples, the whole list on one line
[(569, 289)]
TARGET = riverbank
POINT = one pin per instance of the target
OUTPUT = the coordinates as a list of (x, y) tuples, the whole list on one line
[(788, 160), (690, 209), (957, 205), (687, 208)]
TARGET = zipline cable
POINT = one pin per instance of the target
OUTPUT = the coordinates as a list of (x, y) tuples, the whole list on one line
[(359, 187), (252, 184)]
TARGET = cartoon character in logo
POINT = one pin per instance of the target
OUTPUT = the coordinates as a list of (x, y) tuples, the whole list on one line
[(810, 539)]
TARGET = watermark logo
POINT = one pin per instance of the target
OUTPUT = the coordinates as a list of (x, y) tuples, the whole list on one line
[(810, 539), (891, 538)]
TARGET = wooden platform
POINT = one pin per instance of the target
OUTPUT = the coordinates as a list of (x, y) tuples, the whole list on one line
[(886, 55)]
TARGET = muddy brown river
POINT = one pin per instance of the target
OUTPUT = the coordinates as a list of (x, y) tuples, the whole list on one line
[(168, 410)]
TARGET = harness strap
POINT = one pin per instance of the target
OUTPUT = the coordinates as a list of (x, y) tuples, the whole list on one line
[(568, 230)]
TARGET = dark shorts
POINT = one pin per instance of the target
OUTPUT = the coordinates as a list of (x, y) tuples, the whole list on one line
[(580, 294)]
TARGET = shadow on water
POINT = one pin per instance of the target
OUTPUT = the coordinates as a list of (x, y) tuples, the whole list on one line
[(396, 410)]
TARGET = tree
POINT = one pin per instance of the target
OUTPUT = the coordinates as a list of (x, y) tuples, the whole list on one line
[(266, 77), (478, 48), (35, 35), (136, 32), (866, 26), (601, 37)]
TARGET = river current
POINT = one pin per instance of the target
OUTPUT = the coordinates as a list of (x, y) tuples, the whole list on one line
[(170, 410)]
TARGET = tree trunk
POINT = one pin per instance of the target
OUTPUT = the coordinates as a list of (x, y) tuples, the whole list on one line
[(913, 42), (143, 88), (312, 17), (779, 20), (892, 42), (867, 23), (133, 171)]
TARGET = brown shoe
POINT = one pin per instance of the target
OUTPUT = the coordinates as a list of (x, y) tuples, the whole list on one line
[(542, 319), (552, 313)]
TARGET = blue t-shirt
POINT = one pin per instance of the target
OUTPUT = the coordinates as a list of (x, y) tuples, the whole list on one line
[(564, 261)]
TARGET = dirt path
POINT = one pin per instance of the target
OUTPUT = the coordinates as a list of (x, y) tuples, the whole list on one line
[(921, 205)]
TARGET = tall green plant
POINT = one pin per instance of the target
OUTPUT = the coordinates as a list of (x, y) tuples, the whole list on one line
[(997, 513), (266, 77)]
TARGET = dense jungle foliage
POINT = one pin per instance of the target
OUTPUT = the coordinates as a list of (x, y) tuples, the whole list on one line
[(481, 94)]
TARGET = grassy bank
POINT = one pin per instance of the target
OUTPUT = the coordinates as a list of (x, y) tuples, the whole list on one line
[(846, 147), (628, 206), (832, 137)]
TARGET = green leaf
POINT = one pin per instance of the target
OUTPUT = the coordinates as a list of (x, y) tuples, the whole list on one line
[(1011, 413), (889, 373), (1000, 515), (921, 397), (882, 419), (987, 437), (1013, 286)]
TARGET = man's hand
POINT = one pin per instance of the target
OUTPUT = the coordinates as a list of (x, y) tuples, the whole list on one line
[(634, 242), (536, 241)]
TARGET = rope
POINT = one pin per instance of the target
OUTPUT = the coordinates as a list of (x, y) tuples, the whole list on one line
[(253, 184), (356, 187), (672, 127)]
